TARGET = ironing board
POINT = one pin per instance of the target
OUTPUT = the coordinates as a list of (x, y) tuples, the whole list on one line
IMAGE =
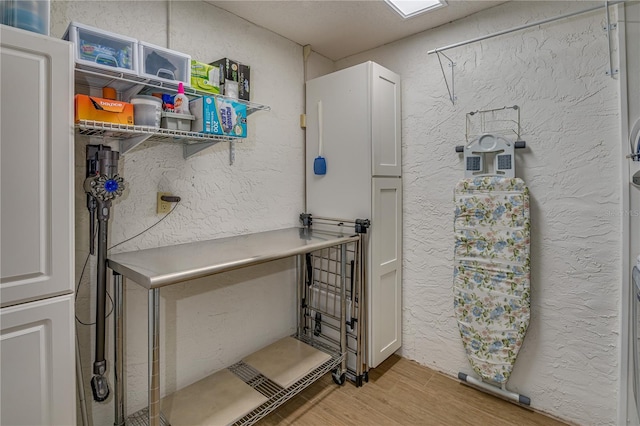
[(491, 274)]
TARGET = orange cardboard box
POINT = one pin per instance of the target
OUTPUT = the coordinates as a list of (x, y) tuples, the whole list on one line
[(106, 110)]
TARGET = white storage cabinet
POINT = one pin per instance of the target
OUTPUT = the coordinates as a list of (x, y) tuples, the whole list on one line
[(357, 111), (37, 230)]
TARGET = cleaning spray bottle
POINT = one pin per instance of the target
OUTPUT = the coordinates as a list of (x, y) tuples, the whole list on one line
[(180, 101)]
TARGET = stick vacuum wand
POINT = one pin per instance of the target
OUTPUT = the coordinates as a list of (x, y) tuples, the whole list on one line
[(103, 187)]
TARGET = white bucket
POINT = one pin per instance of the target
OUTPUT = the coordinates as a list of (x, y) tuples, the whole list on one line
[(146, 110)]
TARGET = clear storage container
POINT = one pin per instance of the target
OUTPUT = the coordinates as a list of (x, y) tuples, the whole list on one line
[(103, 49), (27, 15), (164, 64)]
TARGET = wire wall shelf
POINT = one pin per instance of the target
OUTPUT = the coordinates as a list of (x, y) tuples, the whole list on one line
[(89, 79), (131, 136), (124, 131)]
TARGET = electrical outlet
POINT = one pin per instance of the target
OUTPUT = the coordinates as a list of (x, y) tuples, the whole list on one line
[(163, 206)]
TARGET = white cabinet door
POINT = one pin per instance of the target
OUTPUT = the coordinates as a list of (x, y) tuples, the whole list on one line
[(36, 173), (345, 190), (38, 359), (385, 279), (385, 122)]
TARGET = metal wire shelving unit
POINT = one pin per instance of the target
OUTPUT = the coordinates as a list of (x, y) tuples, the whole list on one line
[(88, 79), (276, 394)]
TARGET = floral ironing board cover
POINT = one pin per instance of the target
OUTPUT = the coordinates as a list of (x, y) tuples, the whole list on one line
[(491, 272)]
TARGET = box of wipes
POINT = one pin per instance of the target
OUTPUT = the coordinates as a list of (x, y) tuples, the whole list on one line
[(219, 116), (205, 77)]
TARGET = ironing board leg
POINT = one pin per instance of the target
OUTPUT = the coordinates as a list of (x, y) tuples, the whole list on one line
[(502, 392)]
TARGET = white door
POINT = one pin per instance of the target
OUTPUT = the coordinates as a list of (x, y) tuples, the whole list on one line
[(36, 230), (37, 368), (385, 277), (36, 173), (385, 122)]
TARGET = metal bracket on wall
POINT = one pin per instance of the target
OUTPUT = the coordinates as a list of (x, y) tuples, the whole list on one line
[(608, 27), (232, 151), (193, 148), (452, 93)]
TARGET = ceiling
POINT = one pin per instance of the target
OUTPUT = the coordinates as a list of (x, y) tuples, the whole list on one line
[(337, 29)]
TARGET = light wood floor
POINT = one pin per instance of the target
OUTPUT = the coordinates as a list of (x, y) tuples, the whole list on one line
[(401, 392)]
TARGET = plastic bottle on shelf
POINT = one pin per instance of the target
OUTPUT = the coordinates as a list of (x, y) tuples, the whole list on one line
[(180, 101), (109, 93)]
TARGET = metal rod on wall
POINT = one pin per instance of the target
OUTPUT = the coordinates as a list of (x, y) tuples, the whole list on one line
[(523, 27), (611, 71)]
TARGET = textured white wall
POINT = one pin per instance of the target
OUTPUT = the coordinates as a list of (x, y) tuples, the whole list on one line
[(209, 323), (570, 120)]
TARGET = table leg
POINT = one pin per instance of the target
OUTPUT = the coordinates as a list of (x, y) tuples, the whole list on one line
[(299, 294), (154, 357), (118, 356)]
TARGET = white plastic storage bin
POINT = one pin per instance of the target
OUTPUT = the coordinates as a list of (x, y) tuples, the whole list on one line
[(30, 15), (164, 64), (103, 49), (173, 121), (147, 110)]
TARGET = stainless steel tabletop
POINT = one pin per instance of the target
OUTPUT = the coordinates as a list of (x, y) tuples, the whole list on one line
[(158, 267)]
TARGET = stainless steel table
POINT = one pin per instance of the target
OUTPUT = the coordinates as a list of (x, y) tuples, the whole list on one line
[(163, 266)]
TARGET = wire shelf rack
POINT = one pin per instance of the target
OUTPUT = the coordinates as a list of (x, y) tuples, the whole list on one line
[(130, 136), (124, 131), (277, 395), (88, 79)]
